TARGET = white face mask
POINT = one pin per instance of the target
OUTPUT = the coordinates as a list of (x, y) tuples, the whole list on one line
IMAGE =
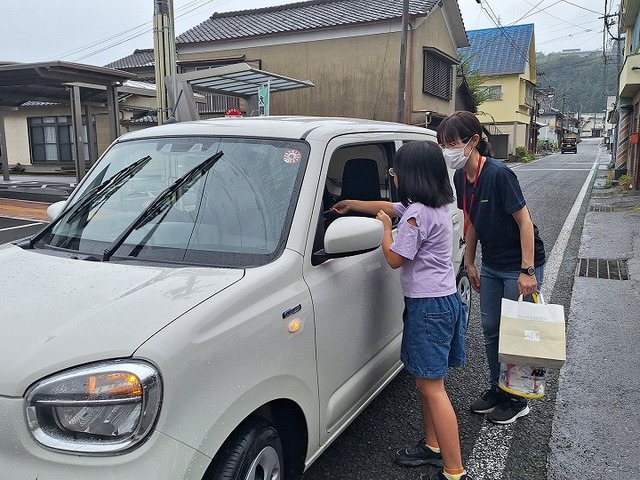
[(455, 157)]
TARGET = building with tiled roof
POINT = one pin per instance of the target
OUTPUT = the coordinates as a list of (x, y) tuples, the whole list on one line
[(301, 16), (505, 57), (499, 51), (349, 49), (141, 62)]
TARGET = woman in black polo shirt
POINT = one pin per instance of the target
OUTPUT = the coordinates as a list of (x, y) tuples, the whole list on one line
[(496, 214)]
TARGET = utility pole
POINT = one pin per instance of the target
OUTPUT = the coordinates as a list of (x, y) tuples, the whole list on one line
[(164, 53), (564, 97), (403, 63)]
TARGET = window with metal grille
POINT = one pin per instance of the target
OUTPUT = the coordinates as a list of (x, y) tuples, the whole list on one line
[(493, 92), (438, 74)]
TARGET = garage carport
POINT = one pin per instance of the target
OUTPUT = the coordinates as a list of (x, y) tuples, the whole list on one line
[(237, 80), (82, 87)]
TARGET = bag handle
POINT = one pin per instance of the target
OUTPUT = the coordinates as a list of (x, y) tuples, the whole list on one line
[(537, 298)]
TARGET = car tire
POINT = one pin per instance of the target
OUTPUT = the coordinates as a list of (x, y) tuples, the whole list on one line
[(464, 289), (253, 452)]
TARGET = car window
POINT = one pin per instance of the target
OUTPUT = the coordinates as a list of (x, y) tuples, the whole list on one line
[(237, 214), (355, 172), (358, 172)]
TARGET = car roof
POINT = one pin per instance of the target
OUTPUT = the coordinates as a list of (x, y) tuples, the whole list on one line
[(294, 127)]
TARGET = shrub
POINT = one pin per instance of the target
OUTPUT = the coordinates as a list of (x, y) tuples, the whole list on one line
[(521, 153), (625, 182)]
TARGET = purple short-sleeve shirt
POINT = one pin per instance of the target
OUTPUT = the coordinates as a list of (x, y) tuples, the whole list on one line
[(428, 270)]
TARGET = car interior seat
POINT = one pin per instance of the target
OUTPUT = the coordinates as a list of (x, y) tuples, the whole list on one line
[(360, 180)]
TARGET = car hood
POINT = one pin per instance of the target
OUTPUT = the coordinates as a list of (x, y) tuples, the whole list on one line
[(58, 312)]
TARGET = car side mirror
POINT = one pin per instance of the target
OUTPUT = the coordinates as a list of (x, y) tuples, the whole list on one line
[(56, 209), (348, 236)]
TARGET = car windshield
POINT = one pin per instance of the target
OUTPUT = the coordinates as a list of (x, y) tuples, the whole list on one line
[(236, 213)]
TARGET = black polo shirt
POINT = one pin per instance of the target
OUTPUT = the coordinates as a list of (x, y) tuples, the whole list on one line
[(497, 197)]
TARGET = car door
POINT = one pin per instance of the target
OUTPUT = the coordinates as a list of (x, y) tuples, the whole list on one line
[(357, 300)]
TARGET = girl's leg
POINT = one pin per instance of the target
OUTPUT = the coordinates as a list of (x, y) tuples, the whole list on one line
[(440, 422)]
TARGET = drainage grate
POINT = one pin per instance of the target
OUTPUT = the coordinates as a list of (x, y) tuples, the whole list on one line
[(600, 208), (601, 268)]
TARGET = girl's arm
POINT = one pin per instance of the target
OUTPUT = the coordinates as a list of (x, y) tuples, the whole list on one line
[(527, 284), (393, 259), (362, 206)]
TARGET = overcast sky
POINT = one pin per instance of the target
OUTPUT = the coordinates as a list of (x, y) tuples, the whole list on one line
[(97, 32)]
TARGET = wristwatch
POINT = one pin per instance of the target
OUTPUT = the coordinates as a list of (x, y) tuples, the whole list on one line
[(528, 271)]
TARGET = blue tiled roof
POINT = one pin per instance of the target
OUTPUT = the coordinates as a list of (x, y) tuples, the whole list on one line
[(293, 17), (498, 51)]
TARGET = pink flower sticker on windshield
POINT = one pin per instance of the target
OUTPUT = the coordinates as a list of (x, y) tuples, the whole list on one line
[(292, 156)]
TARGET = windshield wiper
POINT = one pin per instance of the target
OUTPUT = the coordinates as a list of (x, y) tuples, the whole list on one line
[(102, 192), (165, 199)]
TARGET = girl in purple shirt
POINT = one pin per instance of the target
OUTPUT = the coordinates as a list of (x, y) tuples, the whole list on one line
[(434, 317)]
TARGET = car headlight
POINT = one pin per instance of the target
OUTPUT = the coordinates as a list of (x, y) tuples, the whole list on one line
[(99, 409)]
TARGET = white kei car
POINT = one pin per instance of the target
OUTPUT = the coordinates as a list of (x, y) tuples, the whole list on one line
[(193, 311)]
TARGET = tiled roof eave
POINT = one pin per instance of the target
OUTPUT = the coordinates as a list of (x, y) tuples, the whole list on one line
[(283, 33), (301, 16), (286, 32)]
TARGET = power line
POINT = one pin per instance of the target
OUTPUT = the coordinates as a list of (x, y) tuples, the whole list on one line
[(134, 32), (580, 6)]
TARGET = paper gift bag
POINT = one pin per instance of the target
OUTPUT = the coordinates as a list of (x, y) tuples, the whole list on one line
[(532, 333)]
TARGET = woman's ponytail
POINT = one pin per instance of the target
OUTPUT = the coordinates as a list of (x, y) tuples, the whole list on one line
[(484, 148)]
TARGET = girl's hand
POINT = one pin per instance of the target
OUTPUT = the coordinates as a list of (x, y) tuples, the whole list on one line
[(341, 207), (527, 284), (385, 219)]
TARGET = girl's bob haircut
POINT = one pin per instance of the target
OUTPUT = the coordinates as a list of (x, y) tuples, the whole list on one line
[(422, 174)]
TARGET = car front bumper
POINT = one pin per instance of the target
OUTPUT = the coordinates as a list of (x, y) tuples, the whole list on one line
[(160, 458)]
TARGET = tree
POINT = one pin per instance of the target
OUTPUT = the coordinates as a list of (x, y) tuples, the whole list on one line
[(474, 80)]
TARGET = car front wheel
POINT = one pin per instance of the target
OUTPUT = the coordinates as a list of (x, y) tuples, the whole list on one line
[(253, 452), (464, 289)]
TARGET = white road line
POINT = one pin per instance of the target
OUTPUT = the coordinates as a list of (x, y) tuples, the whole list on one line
[(557, 169), (490, 452), (491, 449), (552, 265), (19, 226)]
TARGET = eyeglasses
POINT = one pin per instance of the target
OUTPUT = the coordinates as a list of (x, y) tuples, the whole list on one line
[(392, 173)]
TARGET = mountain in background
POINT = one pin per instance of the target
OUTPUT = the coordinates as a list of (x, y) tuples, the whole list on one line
[(583, 79)]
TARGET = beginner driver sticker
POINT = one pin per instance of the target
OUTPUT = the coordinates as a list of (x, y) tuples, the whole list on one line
[(292, 156)]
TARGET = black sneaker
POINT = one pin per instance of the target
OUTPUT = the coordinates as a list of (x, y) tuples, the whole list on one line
[(509, 411), (441, 476), (488, 401), (418, 455)]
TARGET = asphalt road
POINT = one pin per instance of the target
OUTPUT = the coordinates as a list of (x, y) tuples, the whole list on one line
[(491, 452), (518, 451), (12, 229)]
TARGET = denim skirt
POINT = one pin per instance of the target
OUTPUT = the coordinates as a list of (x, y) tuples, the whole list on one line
[(434, 336)]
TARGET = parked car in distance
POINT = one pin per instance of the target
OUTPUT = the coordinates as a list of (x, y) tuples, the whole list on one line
[(193, 311), (569, 144)]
